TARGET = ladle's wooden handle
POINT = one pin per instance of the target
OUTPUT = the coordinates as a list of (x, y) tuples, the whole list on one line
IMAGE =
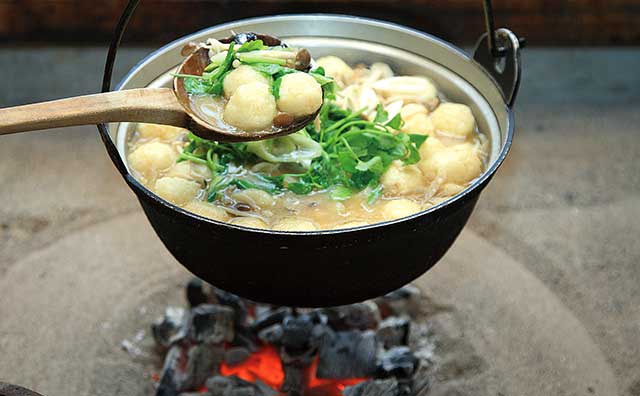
[(154, 105)]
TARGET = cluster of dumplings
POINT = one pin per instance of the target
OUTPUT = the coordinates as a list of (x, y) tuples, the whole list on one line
[(251, 105), (452, 156)]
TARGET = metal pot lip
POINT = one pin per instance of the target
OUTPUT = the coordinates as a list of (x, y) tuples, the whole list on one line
[(478, 184)]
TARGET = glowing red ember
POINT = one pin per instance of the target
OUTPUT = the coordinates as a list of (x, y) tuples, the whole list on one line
[(265, 365)]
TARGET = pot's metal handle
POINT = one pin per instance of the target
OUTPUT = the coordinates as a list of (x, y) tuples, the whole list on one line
[(498, 52)]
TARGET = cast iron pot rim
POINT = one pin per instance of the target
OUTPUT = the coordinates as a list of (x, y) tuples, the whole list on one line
[(478, 183)]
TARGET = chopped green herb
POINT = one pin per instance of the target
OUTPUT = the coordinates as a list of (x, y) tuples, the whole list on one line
[(253, 45), (211, 82)]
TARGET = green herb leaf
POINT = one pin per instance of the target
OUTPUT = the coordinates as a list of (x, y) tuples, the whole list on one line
[(396, 122), (340, 193), (381, 114), (329, 86), (198, 86), (417, 139), (253, 45), (300, 188), (275, 87), (374, 165)]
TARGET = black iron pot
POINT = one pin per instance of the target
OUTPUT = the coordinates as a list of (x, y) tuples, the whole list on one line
[(322, 268)]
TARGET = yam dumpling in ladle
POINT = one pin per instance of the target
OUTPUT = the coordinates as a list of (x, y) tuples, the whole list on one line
[(251, 86)]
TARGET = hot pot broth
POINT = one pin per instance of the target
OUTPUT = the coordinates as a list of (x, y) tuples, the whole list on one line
[(387, 147)]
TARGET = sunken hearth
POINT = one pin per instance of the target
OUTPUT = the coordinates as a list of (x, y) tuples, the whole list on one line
[(223, 345)]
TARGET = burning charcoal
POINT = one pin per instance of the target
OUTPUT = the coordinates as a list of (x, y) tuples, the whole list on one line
[(236, 303), (265, 389), (245, 339), (166, 327), (388, 387), (272, 334), (399, 362), (211, 324), (236, 355), (234, 386), (296, 334), (261, 310), (360, 316), (269, 318), (403, 301), (203, 359), (195, 292), (294, 381), (348, 354), (393, 331), (172, 377), (186, 368), (195, 394)]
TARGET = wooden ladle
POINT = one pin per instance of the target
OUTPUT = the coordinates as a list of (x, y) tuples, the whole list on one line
[(168, 106)]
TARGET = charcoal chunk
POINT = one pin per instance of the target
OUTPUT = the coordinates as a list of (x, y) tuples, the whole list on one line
[(293, 384), (211, 324), (348, 354), (234, 386), (296, 334), (203, 359), (388, 387), (167, 326), (195, 292), (195, 394), (393, 331), (272, 334), (236, 303), (270, 317), (245, 338), (399, 362), (172, 376), (400, 302), (360, 316), (236, 355)]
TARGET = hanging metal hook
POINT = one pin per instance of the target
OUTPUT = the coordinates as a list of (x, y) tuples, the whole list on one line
[(491, 31), (498, 51)]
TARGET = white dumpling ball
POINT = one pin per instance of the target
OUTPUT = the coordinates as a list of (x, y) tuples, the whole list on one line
[(337, 69), (453, 119), (190, 171), (300, 94), (163, 132), (430, 147), (251, 222), (293, 224), (251, 108), (409, 88), (177, 190), (401, 179), (208, 210), (419, 124), (242, 75), (399, 208), (411, 109), (151, 158), (457, 164)]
